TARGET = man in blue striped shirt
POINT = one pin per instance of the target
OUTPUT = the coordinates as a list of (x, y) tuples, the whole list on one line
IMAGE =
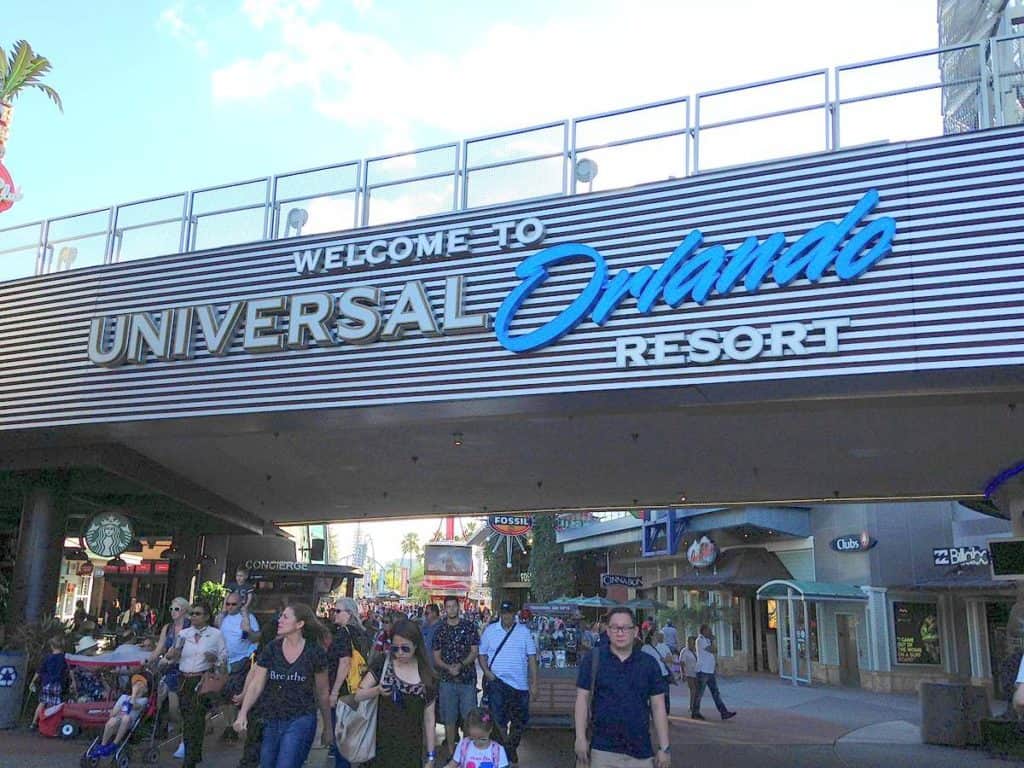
[(508, 657)]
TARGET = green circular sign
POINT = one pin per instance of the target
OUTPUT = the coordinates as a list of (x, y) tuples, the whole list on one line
[(108, 534)]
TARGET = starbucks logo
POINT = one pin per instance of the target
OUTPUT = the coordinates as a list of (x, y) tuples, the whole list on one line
[(108, 534)]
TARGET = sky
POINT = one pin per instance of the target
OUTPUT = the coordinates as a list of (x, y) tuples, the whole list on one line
[(161, 96)]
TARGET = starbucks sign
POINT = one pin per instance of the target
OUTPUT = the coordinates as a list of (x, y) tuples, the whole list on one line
[(108, 534)]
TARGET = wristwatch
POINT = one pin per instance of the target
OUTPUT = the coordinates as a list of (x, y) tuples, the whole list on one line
[(666, 750)]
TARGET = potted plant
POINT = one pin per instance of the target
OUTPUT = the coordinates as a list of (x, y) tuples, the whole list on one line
[(22, 69)]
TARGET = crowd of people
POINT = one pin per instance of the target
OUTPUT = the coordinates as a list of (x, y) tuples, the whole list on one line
[(280, 681)]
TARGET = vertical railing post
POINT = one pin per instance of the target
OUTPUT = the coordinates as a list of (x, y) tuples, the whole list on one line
[(573, 159), (275, 210), (997, 84), (190, 224), (266, 208), (365, 212), (984, 117), (464, 198), (41, 246), (836, 108), (108, 247), (828, 126), (456, 178), (568, 167), (686, 139), (357, 204), (696, 135)]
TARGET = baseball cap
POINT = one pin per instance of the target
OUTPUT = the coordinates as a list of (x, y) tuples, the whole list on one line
[(507, 607)]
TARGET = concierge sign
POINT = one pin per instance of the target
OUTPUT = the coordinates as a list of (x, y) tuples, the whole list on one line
[(696, 272)]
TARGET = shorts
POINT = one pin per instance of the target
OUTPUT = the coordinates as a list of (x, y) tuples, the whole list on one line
[(50, 694), (599, 759), (455, 700), (171, 678)]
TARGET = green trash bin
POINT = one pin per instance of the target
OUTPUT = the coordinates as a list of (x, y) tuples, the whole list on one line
[(12, 686)]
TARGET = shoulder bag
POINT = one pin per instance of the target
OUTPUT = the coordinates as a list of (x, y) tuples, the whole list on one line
[(485, 698), (356, 732)]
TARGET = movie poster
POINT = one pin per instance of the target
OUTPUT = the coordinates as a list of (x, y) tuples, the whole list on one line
[(917, 633)]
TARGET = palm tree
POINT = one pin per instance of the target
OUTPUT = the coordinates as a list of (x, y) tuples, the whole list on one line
[(410, 547), (469, 529), (24, 69)]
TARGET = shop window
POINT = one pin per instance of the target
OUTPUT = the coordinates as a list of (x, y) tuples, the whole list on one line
[(917, 633), (812, 630), (773, 615)]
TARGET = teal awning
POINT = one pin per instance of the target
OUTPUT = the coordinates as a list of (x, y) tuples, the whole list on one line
[(779, 589)]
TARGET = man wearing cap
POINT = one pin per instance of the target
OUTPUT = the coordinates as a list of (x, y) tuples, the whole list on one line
[(508, 657)]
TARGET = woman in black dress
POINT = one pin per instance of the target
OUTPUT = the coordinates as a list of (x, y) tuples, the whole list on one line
[(407, 691)]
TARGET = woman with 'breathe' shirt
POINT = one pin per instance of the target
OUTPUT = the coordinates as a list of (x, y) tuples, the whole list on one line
[(290, 682)]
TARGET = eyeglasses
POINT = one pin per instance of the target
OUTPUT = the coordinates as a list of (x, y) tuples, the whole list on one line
[(341, 610), (175, 607), (630, 628), (402, 648), (196, 613)]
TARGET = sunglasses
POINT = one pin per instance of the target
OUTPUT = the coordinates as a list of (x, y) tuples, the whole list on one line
[(196, 613), (402, 648), (230, 604), (341, 610), (175, 607)]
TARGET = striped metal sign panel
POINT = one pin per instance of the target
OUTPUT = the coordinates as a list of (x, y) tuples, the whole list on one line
[(947, 296)]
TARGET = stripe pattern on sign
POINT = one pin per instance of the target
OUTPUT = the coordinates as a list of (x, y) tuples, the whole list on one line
[(946, 297)]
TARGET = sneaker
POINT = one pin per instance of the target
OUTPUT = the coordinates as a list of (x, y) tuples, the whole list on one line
[(179, 753), (727, 715), (697, 716)]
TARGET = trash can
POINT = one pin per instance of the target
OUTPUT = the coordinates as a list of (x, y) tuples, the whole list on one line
[(951, 713), (12, 686)]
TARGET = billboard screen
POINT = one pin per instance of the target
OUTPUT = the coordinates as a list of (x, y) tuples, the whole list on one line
[(448, 559)]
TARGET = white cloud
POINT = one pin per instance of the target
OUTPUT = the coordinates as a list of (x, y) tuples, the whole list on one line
[(173, 20), (524, 73)]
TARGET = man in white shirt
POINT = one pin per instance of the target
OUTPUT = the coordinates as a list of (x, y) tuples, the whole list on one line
[(240, 630), (508, 657), (706, 650), (688, 661), (671, 637)]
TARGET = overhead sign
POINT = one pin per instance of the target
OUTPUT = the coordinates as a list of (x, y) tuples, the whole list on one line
[(960, 556), (358, 315), (108, 534), (702, 553), (854, 542), (275, 565), (448, 560), (510, 525), (616, 580)]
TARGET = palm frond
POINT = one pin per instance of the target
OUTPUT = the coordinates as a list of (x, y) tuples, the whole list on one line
[(54, 96), (3, 66)]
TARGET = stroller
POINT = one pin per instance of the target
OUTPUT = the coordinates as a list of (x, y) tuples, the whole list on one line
[(99, 680)]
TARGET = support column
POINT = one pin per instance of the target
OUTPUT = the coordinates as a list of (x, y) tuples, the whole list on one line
[(40, 548), (878, 630), (1010, 499), (181, 571), (977, 638)]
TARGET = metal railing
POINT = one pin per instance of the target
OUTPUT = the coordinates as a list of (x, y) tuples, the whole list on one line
[(983, 80)]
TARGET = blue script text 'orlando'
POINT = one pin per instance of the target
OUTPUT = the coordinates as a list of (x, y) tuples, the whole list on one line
[(689, 273)]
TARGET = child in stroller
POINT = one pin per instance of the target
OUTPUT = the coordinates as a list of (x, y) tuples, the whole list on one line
[(124, 718)]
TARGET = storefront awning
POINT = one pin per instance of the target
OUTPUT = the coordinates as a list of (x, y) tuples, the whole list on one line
[(810, 590), (741, 568), (972, 580)]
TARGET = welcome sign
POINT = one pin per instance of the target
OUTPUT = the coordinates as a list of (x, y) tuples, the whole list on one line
[(358, 315)]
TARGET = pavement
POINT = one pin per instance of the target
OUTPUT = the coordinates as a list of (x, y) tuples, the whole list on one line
[(777, 726)]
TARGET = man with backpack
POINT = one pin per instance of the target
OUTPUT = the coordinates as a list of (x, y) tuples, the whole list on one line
[(346, 659), (508, 658)]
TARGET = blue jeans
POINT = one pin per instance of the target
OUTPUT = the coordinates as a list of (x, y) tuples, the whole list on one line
[(455, 700), (511, 710), (286, 743), (708, 681), (339, 759)]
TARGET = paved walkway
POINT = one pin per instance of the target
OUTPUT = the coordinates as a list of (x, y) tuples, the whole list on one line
[(778, 726)]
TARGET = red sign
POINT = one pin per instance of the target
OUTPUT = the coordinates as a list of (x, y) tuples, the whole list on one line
[(84, 569), (142, 569), (8, 194)]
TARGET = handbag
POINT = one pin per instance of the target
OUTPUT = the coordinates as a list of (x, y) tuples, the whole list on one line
[(485, 696), (211, 683), (355, 735)]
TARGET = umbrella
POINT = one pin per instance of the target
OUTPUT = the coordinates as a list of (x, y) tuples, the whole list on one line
[(645, 603), (563, 600), (597, 602)]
